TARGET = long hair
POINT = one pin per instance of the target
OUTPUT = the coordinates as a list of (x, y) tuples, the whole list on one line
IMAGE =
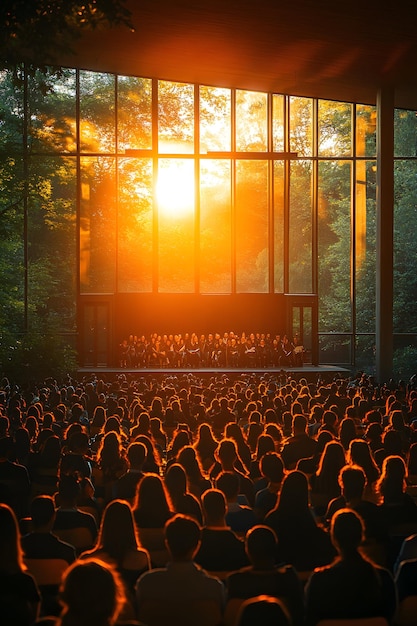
[(187, 457), (293, 499), (331, 462), (360, 454), (11, 555), (392, 482), (152, 501), (176, 482), (117, 534), (110, 451)]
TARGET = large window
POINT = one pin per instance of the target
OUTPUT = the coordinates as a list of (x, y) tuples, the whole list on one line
[(166, 187)]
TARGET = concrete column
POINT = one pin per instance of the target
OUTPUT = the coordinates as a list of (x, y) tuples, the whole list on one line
[(385, 235)]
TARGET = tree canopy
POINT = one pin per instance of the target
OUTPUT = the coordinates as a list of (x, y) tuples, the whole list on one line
[(35, 32)]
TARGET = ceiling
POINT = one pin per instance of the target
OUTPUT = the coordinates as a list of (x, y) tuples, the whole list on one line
[(333, 50)]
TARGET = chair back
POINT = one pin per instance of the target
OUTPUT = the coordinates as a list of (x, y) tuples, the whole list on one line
[(46, 571), (361, 621), (180, 613), (407, 612), (81, 538)]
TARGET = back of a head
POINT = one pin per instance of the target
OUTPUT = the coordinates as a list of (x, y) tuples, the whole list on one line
[(92, 594), (42, 511), (227, 451), (299, 423), (136, 454), (68, 488), (397, 419), (352, 481), (182, 535), (264, 445), (263, 611), (272, 467), (347, 531), (214, 505), (176, 479), (187, 457), (294, 493), (228, 483), (150, 493), (329, 418), (392, 480), (261, 544), (117, 527)]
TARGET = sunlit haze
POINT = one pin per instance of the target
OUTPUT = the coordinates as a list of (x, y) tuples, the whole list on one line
[(175, 188)]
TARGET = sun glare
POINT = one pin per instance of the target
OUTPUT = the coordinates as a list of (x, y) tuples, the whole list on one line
[(175, 187)]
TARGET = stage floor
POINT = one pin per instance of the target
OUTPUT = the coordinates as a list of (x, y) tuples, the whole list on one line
[(308, 371)]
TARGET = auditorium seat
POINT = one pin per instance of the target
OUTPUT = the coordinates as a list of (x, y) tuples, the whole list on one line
[(180, 613), (406, 614), (81, 538)]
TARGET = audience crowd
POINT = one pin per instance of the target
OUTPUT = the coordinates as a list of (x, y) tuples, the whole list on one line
[(228, 349), (218, 500)]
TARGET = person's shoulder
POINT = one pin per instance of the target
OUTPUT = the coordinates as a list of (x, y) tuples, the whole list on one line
[(322, 573), (151, 576), (236, 575)]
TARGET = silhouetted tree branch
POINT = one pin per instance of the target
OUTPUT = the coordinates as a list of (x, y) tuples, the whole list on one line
[(37, 32)]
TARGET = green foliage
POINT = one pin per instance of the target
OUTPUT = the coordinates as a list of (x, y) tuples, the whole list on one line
[(36, 356), (38, 32), (405, 362)]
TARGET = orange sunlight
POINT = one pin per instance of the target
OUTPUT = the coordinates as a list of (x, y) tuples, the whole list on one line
[(175, 187)]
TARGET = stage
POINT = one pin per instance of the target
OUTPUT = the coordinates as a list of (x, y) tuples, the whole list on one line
[(311, 373)]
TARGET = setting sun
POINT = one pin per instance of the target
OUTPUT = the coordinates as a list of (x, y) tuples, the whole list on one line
[(175, 187)]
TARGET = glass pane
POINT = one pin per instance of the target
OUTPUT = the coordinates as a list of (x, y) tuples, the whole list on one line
[(11, 116), (405, 247), (307, 336), (365, 246), (135, 225), (97, 225), (134, 109), (97, 112), (215, 227), (52, 112), (176, 118), (13, 178), (335, 349), (300, 225), (175, 198), (278, 122), (334, 243), (251, 121), (252, 261), (215, 120), (365, 130), (102, 330), (405, 356), (52, 243), (405, 133), (365, 354), (89, 338), (335, 128), (96, 334), (301, 125), (296, 320), (279, 226)]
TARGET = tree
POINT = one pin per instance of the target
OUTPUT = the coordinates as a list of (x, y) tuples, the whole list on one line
[(37, 32)]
